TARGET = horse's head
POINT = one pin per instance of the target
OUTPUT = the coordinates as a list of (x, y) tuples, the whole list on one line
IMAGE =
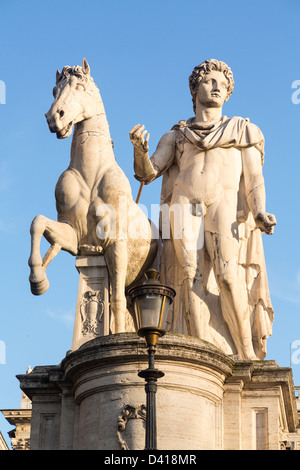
[(76, 98)]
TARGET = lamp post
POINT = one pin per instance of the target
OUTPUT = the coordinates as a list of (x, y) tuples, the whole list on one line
[(151, 301)]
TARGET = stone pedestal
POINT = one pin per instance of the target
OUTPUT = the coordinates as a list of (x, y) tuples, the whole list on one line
[(92, 318), (95, 400), (93, 315)]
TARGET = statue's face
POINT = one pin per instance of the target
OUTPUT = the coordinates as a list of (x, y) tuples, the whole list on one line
[(212, 90)]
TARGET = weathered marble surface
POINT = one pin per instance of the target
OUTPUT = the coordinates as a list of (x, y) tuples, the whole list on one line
[(213, 197)]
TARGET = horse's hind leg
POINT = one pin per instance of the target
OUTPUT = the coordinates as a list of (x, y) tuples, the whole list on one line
[(61, 236), (116, 261)]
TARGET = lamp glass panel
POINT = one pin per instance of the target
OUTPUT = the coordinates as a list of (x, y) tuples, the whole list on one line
[(165, 312), (148, 309)]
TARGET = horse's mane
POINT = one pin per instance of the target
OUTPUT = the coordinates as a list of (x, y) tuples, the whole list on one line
[(67, 71)]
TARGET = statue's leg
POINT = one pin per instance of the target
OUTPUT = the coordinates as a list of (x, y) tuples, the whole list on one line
[(223, 251), (61, 236), (187, 227), (116, 257)]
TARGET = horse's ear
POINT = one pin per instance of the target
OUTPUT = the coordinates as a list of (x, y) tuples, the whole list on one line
[(57, 76), (85, 66)]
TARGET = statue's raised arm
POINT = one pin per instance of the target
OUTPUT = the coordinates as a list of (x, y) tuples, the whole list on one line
[(143, 167), (147, 169)]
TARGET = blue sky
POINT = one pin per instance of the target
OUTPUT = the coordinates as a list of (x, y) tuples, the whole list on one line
[(141, 55)]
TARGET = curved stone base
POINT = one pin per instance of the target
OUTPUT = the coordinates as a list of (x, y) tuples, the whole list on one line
[(95, 399), (105, 377)]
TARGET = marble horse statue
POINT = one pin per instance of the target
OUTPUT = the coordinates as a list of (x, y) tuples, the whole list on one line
[(95, 209)]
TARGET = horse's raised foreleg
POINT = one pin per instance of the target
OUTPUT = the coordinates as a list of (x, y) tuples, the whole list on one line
[(116, 261), (61, 236)]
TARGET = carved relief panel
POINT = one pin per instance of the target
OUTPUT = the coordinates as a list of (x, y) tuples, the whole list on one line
[(92, 310)]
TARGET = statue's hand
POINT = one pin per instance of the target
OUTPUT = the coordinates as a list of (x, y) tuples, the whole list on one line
[(143, 167), (139, 138), (265, 222)]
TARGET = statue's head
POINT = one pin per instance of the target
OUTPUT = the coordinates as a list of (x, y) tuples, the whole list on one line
[(76, 97), (205, 68)]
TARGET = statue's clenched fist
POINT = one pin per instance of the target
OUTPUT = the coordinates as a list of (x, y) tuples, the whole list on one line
[(266, 222)]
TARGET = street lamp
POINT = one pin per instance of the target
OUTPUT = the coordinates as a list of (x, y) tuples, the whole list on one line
[(151, 301)]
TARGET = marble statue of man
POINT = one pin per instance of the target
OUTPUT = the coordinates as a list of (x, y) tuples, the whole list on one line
[(212, 167)]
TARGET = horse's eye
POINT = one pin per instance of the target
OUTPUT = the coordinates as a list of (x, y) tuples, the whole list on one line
[(80, 87)]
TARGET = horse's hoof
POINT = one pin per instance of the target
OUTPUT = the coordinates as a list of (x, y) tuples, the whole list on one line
[(39, 288)]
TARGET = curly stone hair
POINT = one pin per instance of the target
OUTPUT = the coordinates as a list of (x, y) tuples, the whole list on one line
[(204, 68)]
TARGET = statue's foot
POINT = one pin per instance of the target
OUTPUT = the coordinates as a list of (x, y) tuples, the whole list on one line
[(39, 283), (248, 354)]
